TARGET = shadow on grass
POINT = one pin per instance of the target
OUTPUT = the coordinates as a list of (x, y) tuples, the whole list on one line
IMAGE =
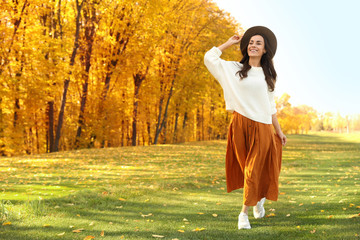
[(164, 215)]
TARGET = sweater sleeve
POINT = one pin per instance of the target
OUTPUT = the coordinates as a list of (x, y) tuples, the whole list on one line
[(215, 64), (272, 102)]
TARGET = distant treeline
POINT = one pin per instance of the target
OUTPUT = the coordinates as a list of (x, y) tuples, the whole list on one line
[(301, 119)]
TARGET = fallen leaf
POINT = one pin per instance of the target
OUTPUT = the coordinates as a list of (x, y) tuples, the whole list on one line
[(102, 233), (180, 230), (119, 207), (61, 234), (46, 225), (313, 231), (71, 226), (92, 223), (200, 213), (282, 193), (298, 227), (6, 223), (78, 230), (185, 220), (157, 236), (147, 200), (270, 215), (148, 215), (219, 203), (331, 216), (215, 215), (322, 210), (89, 237), (288, 215), (122, 199), (354, 216), (351, 205), (301, 204), (198, 229)]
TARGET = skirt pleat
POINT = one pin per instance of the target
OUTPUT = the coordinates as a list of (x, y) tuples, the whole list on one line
[(253, 159)]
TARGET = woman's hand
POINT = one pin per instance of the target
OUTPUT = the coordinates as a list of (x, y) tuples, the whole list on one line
[(233, 40), (283, 138), (278, 131)]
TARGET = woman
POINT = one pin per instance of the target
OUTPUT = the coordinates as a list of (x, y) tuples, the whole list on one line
[(254, 151)]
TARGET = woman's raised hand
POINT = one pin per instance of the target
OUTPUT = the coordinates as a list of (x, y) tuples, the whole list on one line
[(233, 40)]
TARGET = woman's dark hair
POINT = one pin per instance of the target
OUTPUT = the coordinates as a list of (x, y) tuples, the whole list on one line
[(266, 64)]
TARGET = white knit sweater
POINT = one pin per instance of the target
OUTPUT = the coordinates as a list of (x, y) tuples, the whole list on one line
[(250, 96)]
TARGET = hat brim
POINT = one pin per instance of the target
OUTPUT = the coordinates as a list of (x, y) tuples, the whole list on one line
[(264, 31)]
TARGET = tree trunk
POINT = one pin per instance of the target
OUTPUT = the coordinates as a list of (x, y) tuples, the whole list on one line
[(67, 80), (81, 120), (122, 132), (16, 110), (202, 122), (2, 145), (165, 132), (102, 104), (17, 100), (158, 130), (138, 79), (90, 30), (50, 133), (148, 125), (61, 115), (158, 124), (185, 119), (37, 135), (50, 22), (5, 61), (175, 127)]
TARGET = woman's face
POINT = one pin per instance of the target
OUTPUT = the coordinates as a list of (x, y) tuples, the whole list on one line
[(256, 47)]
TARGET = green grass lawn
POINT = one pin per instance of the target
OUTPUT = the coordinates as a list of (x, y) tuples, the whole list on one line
[(179, 192)]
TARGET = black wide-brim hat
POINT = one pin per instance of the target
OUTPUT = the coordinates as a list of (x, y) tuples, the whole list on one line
[(259, 30)]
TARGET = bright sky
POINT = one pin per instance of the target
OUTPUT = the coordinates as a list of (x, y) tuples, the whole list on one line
[(318, 54)]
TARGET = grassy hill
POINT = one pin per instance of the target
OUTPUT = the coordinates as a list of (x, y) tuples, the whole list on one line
[(179, 192)]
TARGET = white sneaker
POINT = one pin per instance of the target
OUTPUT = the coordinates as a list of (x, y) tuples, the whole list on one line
[(259, 210), (243, 221)]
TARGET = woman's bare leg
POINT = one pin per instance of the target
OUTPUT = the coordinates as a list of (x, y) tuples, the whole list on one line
[(245, 209)]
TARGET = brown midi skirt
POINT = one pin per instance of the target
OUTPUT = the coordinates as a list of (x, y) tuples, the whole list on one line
[(253, 159)]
